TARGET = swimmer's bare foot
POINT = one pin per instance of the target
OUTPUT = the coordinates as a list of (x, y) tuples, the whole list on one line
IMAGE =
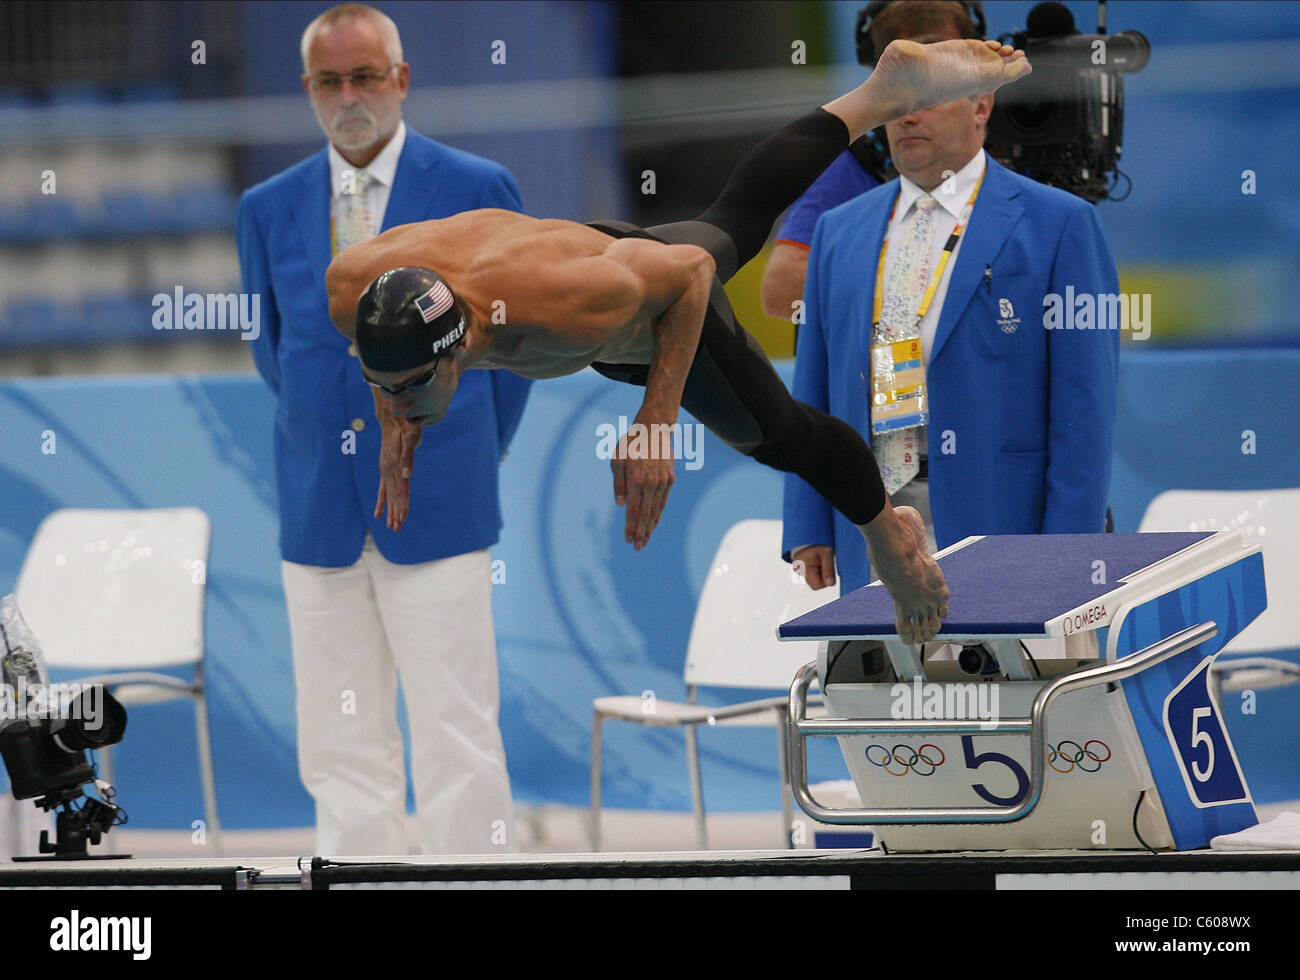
[(898, 553), (913, 76)]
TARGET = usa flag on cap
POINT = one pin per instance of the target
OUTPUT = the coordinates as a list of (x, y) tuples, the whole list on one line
[(435, 302)]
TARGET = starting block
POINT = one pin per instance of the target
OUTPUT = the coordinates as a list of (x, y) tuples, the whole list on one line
[(996, 749)]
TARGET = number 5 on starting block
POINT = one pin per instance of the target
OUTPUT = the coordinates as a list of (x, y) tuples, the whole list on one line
[(1201, 748), (1188, 750)]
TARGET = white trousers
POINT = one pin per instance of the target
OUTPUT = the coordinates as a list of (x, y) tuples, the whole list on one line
[(354, 630)]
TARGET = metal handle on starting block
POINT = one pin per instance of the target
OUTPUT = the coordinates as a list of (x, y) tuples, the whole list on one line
[(801, 728)]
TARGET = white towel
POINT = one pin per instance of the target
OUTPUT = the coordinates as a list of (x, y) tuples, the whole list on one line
[(1282, 833)]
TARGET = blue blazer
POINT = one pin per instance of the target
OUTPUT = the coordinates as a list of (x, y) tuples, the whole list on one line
[(327, 494), (1022, 418)]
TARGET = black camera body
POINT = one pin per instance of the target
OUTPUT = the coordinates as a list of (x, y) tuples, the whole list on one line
[(46, 758), (1063, 125), (43, 742), (47, 762), (37, 766)]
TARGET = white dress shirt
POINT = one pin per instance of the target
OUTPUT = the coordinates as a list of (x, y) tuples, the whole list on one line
[(952, 196), (383, 170)]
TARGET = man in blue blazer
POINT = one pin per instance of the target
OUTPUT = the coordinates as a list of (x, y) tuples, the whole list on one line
[(366, 603), (1021, 387)]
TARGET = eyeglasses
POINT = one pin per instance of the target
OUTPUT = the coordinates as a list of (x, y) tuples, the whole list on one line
[(419, 383), (363, 80)]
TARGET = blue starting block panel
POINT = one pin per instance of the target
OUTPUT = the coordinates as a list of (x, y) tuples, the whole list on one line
[(1152, 740), (1013, 585)]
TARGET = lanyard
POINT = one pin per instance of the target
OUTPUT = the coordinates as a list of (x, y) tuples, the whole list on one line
[(962, 220)]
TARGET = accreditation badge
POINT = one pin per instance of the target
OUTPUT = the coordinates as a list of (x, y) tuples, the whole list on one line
[(898, 399)]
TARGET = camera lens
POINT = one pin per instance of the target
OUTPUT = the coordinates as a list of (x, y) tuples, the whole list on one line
[(977, 659), (95, 719), (1044, 111), (1130, 50)]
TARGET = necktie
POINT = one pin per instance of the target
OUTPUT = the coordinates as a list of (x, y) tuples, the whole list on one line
[(898, 453), (353, 220)]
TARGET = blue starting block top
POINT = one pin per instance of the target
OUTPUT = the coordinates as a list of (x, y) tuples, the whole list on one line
[(1008, 585)]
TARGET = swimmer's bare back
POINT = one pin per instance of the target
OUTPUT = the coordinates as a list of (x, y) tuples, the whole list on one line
[(549, 296), (546, 298), (488, 253), (610, 319)]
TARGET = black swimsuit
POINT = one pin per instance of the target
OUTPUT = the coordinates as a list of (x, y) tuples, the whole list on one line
[(732, 387)]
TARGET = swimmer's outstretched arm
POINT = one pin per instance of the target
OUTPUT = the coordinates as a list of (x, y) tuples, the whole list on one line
[(345, 280), (669, 286), (398, 441)]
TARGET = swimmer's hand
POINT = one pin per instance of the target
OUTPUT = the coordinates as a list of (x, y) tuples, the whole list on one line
[(816, 564), (643, 474), (897, 549), (396, 460)]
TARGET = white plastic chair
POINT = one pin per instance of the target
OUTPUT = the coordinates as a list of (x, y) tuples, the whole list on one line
[(121, 593), (749, 592), (1266, 517)]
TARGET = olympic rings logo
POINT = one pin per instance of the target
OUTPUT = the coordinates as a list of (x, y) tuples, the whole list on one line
[(1064, 757), (1084, 757), (908, 759)]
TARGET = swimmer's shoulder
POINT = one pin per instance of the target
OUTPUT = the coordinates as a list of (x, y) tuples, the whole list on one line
[(504, 240), (475, 221)]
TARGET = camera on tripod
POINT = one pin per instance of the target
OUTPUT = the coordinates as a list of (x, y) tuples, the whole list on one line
[(1063, 125), (45, 730)]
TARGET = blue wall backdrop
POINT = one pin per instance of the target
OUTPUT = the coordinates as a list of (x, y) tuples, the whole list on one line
[(579, 614)]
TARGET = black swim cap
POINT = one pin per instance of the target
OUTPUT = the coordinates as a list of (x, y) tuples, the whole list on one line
[(406, 318)]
